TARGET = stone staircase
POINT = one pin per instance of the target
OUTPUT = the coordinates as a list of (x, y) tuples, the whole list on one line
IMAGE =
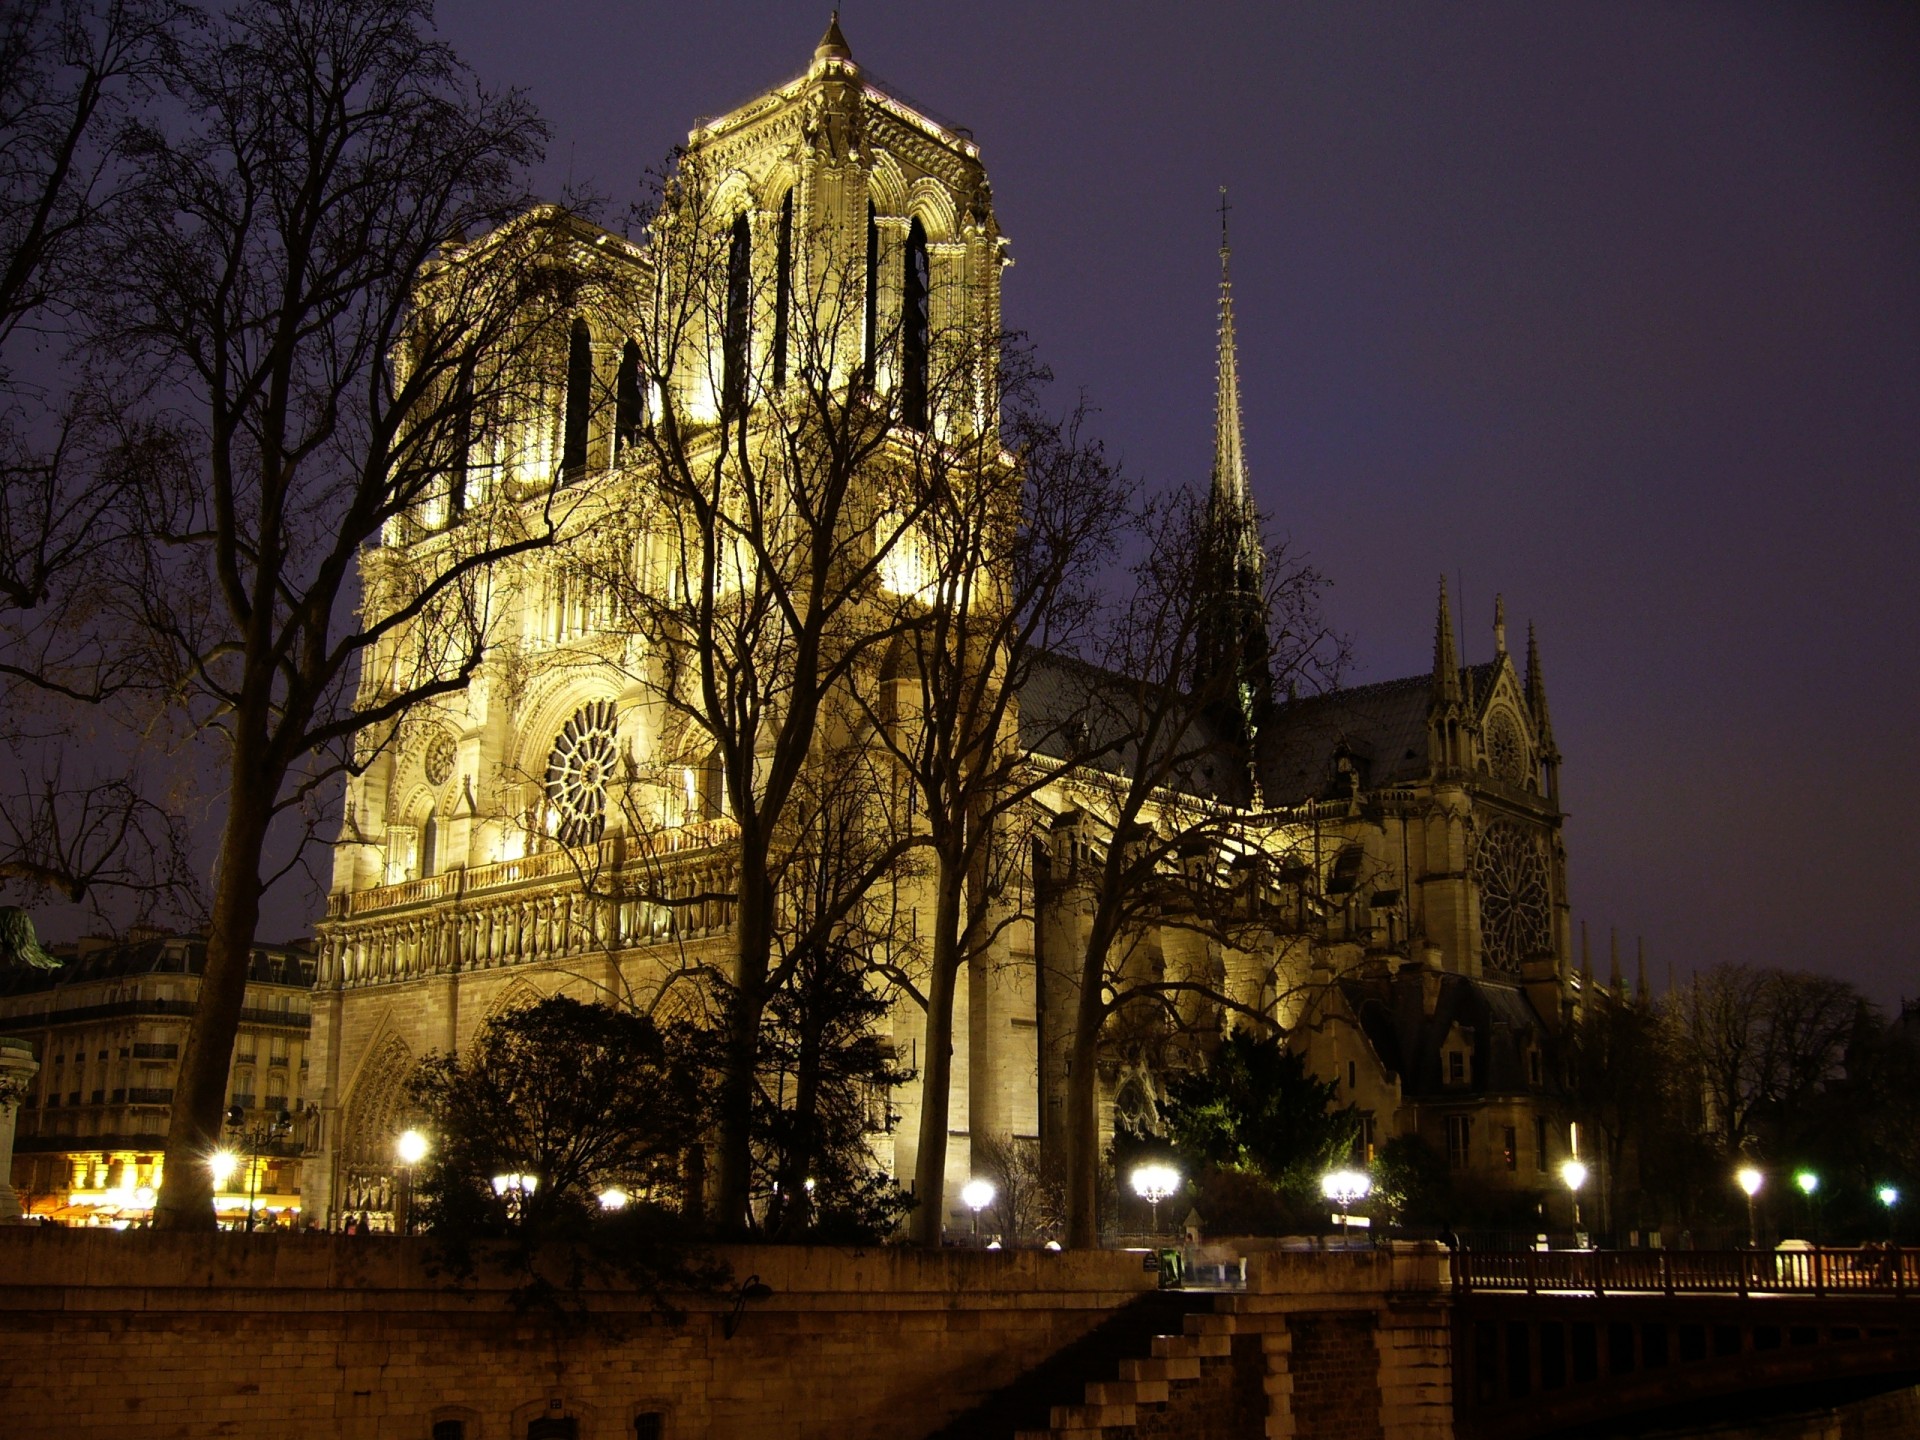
[(1147, 1360)]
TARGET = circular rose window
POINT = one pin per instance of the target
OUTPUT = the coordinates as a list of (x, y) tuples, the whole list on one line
[(1515, 923), (577, 773)]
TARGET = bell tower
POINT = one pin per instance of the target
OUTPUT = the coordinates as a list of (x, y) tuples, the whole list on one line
[(850, 234)]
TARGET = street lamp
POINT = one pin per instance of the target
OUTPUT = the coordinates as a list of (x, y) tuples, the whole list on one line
[(1750, 1180), (1809, 1184), (1154, 1183), (613, 1198), (1889, 1197), (412, 1148), (1574, 1174), (514, 1189), (976, 1195), (222, 1163), (1343, 1187)]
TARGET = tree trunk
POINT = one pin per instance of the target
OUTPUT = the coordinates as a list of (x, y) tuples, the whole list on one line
[(185, 1201), (753, 933), (1083, 1118), (936, 1066)]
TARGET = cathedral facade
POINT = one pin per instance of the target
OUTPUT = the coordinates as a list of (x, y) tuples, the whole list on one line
[(559, 826)]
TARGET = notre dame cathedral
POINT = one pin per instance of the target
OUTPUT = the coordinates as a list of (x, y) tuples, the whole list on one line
[(471, 870)]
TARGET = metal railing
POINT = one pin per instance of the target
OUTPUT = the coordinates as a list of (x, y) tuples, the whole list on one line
[(1819, 1272)]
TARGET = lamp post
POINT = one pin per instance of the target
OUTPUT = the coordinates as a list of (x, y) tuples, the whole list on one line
[(412, 1148), (1750, 1180), (221, 1164), (1343, 1187), (1154, 1183), (1809, 1184), (976, 1195), (1573, 1174), (613, 1198), (514, 1189)]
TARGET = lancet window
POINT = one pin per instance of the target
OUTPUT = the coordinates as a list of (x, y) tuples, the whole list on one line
[(782, 290), (629, 400), (573, 451), (733, 359), (916, 329)]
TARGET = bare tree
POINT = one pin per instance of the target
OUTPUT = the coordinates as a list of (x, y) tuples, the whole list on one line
[(1163, 837), (77, 825), (1759, 1044), (317, 354), (777, 500), (1009, 552)]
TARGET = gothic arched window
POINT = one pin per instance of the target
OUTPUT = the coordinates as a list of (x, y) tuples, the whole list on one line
[(629, 400), (430, 844), (782, 290), (733, 351), (573, 452), (916, 329), (873, 294), (462, 439)]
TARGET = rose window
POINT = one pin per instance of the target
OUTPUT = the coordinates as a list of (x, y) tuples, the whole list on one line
[(441, 752), (577, 772), (1505, 750), (1515, 918)]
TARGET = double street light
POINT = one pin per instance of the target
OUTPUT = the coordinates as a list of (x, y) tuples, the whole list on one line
[(1342, 1188)]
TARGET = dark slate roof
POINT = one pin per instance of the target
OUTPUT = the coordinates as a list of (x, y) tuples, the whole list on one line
[(1067, 703), (270, 965), (1382, 726), (1392, 1014)]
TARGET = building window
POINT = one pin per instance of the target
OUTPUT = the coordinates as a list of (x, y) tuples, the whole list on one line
[(629, 400), (1456, 1068), (553, 1427), (782, 290), (1536, 1071), (871, 358), (1510, 1148), (649, 1425), (1352, 1076), (1365, 1144), (739, 319), (1540, 1143), (573, 455), (449, 1430), (429, 845), (916, 328), (1459, 1141)]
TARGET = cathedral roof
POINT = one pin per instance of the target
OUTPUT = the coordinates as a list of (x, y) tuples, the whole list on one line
[(1393, 1013), (1382, 727)]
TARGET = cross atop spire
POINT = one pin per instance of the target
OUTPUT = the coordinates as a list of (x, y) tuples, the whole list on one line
[(833, 45)]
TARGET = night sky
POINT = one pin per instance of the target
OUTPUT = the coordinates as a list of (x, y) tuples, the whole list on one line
[(1615, 309)]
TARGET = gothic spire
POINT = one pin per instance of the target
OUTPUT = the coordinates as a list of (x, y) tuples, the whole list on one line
[(1229, 443), (1232, 647), (1499, 625), (833, 45), (1536, 688), (1446, 657)]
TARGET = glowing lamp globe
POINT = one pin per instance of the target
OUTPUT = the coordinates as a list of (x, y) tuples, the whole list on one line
[(976, 1195), (411, 1147), (1750, 1180)]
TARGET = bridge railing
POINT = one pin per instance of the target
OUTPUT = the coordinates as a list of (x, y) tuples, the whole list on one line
[(1818, 1272)]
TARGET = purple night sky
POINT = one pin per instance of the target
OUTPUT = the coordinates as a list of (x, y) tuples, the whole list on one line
[(1613, 309)]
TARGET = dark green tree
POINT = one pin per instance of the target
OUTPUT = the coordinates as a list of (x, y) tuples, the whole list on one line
[(823, 1083), (1258, 1131), (584, 1098)]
